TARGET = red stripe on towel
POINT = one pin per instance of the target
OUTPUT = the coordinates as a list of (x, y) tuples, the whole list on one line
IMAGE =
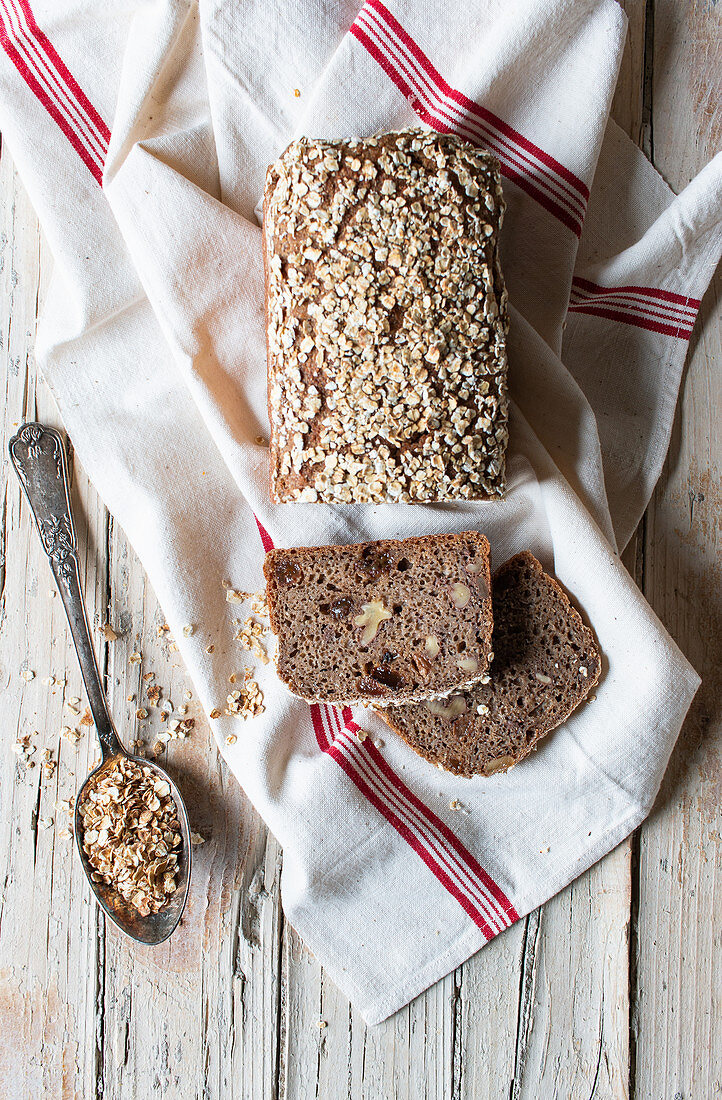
[(50, 80), (447, 110)]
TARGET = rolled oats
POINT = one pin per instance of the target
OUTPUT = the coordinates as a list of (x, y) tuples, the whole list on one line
[(131, 834)]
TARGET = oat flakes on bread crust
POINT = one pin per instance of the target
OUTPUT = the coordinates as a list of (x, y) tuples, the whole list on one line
[(386, 320)]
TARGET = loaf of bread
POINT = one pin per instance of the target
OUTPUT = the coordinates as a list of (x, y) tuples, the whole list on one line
[(546, 661), (387, 621), (386, 320)]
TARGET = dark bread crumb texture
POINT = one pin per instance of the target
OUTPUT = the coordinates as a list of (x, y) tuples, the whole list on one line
[(386, 320), (546, 661), (384, 621)]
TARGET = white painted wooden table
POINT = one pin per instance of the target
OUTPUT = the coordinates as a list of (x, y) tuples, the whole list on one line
[(612, 990)]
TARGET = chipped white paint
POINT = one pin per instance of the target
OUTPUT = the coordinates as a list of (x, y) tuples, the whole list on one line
[(235, 1005)]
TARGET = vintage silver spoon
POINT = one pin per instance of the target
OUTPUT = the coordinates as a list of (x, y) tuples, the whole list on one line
[(40, 461)]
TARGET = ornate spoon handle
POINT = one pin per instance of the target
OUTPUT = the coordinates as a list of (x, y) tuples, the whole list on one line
[(40, 461)]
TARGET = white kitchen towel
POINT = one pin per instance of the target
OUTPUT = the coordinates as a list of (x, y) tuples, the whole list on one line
[(142, 133)]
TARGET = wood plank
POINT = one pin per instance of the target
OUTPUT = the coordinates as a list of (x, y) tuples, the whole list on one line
[(627, 104), (49, 942), (679, 922)]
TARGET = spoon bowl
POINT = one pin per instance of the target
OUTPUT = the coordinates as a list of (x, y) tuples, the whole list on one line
[(155, 927), (39, 458)]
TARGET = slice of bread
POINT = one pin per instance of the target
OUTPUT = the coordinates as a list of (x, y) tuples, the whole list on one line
[(383, 622), (546, 661)]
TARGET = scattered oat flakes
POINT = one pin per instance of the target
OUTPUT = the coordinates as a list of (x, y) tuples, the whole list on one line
[(249, 634), (135, 658), (27, 675), (246, 701), (210, 648), (46, 822), (187, 694), (130, 698), (65, 834), (48, 681), (182, 709), (141, 713), (197, 839), (87, 719), (108, 633), (379, 742), (231, 739), (361, 734), (153, 693), (234, 595), (188, 630), (215, 713), (456, 805)]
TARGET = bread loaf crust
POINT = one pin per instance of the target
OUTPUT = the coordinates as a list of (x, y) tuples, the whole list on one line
[(386, 321)]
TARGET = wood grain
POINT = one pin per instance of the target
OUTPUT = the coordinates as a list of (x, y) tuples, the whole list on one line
[(677, 994), (611, 990)]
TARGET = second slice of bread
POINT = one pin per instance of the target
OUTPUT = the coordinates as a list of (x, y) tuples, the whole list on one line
[(386, 622), (546, 661)]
